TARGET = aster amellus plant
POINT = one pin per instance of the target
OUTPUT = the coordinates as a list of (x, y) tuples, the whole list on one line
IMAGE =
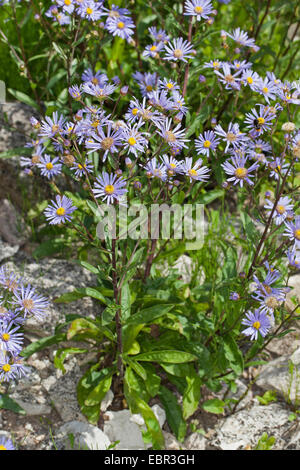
[(149, 108)]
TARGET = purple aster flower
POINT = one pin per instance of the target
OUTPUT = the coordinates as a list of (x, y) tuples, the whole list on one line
[(257, 322), (233, 136), (278, 167), (241, 37), (251, 79), (155, 169), (116, 12), (213, 64), (75, 91), (11, 368), (199, 8), (158, 36), (293, 231), (269, 300), (153, 50), (159, 99), (63, 19), (230, 80), (196, 171), (30, 303), (67, 5), (178, 50), (239, 171), (134, 141), (9, 280), (90, 10), (60, 211), (267, 88), (34, 159), (52, 127), (168, 85), (172, 165), (147, 82), (259, 121), (174, 137), (6, 444), (294, 257), (10, 340), (257, 149), (206, 143), (178, 103), (282, 209), (48, 167), (99, 92), (122, 27), (81, 169), (97, 78), (109, 187), (108, 142), (241, 65)]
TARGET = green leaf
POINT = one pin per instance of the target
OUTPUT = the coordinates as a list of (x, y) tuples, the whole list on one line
[(42, 343), (88, 266), (214, 405), (136, 367), (8, 403), (138, 405), (125, 302), (80, 293), (172, 356), (173, 413), (98, 393), (16, 151), (233, 355), (61, 355), (84, 326), (148, 315), (20, 96), (210, 196), (191, 396)]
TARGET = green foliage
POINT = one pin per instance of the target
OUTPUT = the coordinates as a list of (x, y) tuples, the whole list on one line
[(265, 442)]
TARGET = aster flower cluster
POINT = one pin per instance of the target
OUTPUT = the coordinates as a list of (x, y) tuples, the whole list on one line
[(17, 302), (118, 21)]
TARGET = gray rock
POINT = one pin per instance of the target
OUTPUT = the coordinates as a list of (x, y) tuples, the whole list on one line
[(276, 375), (245, 427), (171, 442), (86, 436), (12, 227), (6, 250), (118, 427), (32, 409), (195, 442)]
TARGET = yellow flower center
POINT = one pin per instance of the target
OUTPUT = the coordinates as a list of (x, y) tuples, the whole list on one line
[(35, 159), (121, 25), (267, 288), (169, 86), (172, 165), (170, 137), (216, 64), (198, 10), (3, 448), (96, 123), (109, 189), (280, 209), (149, 87), (28, 304), (271, 302), (134, 111), (55, 128), (49, 166), (250, 80), (5, 337), (231, 136), (131, 141), (207, 144), (229, 78), (153, 48), (6, 367), (192, 172), (237, 65), (61, 210), (178, 53), (241, 173), (68, 2), (95, 81), (89, 11), (261, 120), (107, 143), (256, 325), (297, 234), (265, 90)]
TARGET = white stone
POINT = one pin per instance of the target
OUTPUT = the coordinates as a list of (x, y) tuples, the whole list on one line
[(33, 409), (195, 441), (119, 427), (85, 436)]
